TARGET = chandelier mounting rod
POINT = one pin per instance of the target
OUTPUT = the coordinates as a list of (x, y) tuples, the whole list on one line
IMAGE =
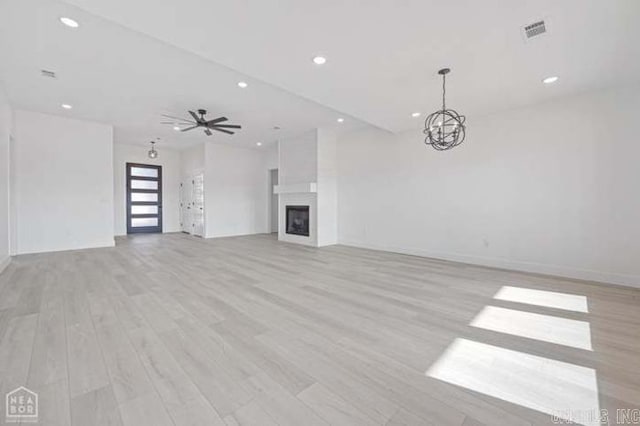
[(443, 72)]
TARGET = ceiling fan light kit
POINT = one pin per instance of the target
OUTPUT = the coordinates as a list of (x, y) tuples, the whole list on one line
[(444, 128), (198, 120)]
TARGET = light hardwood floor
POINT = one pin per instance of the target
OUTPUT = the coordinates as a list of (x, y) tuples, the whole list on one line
[(170, 329)]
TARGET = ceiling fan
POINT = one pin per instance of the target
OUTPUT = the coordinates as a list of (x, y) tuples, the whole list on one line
[(201, 122)]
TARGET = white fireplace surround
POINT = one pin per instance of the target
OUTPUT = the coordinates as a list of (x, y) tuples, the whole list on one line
[(296, 188), (298, 199)]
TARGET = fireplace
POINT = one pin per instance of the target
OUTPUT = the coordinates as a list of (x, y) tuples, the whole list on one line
[(298, 220)]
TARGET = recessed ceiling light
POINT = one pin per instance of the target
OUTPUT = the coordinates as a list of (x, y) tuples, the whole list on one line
[(319, 60), (176, 128), (415, 114), (69, 22), (340, 120), (242, 84), (259, 143), (550, 80), (276, 127), (66, 106)]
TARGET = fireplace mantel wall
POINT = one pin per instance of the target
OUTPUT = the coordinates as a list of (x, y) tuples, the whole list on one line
[(307, 176)]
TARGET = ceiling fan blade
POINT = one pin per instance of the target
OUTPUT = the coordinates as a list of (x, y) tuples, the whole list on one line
[(189, 128), (195, 117), (186, 120), (221, 130), (217, 120), (227, 126), (208, 132)]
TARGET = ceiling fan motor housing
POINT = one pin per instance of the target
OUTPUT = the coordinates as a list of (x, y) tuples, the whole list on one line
[(195, 122)]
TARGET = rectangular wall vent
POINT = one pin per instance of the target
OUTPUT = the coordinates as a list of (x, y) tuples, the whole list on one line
[(534, 30), (47, 73)]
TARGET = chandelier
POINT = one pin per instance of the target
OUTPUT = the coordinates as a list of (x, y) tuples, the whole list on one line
[(444, 128)]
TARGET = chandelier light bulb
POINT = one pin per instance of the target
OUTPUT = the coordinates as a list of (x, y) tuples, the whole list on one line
[(319, 60)]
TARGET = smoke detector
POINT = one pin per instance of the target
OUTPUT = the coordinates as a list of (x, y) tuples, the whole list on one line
[(535, 29), (47, 73)]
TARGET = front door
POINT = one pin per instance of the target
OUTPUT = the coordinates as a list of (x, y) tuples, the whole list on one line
[(144, 198)]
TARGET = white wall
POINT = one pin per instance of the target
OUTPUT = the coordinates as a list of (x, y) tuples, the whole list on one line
[(6, 118), (63, 183), (192, 160), (271, 156), (271, 163), (327, 195), (171, 172), (273, 200), (551, 188), (236, 182), (298, 159)]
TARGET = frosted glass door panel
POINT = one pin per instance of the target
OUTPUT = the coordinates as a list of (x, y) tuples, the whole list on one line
[(144, 172), (144, 184), (144, 221), (144, 196), (144, 209)]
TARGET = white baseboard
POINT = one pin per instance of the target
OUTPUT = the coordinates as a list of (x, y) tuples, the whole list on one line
[(515, 265), (109, 242), (232, 234), (4, 263)]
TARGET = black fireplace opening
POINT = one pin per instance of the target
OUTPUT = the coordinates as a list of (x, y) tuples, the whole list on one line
[(298, 220)]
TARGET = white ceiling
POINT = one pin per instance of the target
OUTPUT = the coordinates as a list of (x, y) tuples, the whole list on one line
[(382, 59), (118, 76)]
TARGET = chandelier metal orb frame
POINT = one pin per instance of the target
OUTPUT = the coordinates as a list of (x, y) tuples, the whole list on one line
[(445, 128)]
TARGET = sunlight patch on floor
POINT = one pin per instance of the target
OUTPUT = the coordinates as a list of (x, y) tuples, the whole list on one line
[(549, 299), (538, 383), (562, 331)]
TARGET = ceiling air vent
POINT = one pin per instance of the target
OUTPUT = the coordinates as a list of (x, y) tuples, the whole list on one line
[(535, 29), (47, 73)]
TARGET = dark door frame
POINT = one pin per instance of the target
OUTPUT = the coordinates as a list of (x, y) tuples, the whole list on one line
[(129, 178)]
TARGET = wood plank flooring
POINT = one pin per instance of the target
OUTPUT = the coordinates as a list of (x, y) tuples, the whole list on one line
[(174, 330)]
